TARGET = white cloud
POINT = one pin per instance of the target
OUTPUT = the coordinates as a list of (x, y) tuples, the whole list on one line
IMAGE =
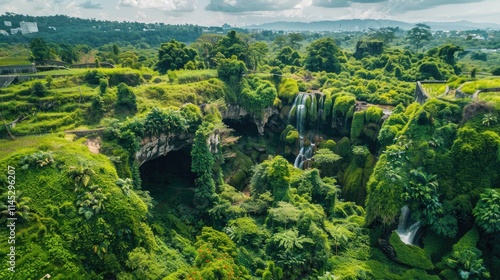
[(165, 5)]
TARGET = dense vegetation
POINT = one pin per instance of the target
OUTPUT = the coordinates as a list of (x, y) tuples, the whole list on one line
[(181, 162)]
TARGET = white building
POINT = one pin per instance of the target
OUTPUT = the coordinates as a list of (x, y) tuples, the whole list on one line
[(7, 23), (28, 27), (4, 33), (15, 30)]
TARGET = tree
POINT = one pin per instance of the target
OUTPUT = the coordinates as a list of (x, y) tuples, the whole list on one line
[(295, 39), (489, 119), (473, 73), (231, 69), (257, 52), (322, 56), (126, 98), (421, 32), (206, 45), (233, 45), (202, 161), (256, 95), (116, 49), (280, 42), (496, 72), (103, 85), (289, 56), (40, 50), (174, 56), (158, 122), (447, 53), (68, 53), (384, 34), (39, 89)]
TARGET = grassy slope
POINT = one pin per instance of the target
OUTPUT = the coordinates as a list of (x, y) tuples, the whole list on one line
[(56, 237)]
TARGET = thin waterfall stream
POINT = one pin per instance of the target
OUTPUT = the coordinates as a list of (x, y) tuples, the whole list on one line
[(307, 112), (407, 229)]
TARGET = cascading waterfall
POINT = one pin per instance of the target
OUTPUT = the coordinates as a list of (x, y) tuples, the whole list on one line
[(305, 108), (407, 230)]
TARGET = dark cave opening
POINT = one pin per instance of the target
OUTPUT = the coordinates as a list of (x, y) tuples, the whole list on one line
[(242, 127), (169, 177)]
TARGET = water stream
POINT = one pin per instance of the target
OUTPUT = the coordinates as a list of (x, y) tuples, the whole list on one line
[(407, 229), (307, 113)]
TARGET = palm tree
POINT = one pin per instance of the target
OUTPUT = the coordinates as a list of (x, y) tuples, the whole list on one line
[(489, 119)]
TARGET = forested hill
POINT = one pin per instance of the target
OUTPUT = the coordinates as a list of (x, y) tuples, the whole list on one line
[(70, 30)]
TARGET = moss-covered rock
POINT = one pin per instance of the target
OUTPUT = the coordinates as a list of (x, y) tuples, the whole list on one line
[(413, 256)]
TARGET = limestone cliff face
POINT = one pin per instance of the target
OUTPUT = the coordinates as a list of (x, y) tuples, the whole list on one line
[(155, 147), (152, 148), (236, 112), (232, 111)]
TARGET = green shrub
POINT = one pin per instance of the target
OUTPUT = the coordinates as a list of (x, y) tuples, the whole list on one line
[(374, 114), (358, 122), (126, 98), (288, 89), (93, 77)]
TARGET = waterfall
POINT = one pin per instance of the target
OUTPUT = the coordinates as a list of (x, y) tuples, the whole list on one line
[(407, 230), (306, 109)]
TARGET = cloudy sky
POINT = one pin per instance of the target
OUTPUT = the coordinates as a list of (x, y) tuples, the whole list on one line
[(247, 12)]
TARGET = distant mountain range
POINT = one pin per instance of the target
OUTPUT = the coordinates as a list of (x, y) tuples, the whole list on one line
[(365, 24)]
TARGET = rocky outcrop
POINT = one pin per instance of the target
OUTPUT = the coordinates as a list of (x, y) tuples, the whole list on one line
[(236, 112), (261, 122), (232, 111), (420, 95), (152, 148), (155, 147)]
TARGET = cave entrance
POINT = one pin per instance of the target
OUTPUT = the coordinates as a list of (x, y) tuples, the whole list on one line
[(169, 178), (242, 127)]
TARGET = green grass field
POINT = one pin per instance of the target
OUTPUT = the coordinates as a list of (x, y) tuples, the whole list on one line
[(434, 90), (472, 87), (14, 60)]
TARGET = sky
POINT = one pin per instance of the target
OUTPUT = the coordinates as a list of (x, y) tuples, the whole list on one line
[(242, 13)]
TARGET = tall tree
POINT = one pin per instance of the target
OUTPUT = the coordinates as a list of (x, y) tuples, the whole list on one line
[(417, 35), (384, 34), (280, 42), (257, 52), (173, 56), (68, 53), (289, 56), (206, 45), (295, 39), (231, 45), (40, 50), (322, 56)]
